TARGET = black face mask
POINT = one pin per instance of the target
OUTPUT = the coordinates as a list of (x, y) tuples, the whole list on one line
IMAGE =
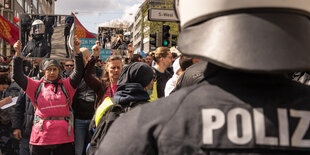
[(37, 37)]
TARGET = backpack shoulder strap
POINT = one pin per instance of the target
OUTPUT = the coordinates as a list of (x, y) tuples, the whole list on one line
[(37, 95), (65, 92), (70, 119)]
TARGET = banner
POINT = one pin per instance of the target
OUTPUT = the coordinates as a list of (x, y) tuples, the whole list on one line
[(90, 42), (8, 31), (80, 30)]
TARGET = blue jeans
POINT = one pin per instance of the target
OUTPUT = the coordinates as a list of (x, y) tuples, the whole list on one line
[(81, 135), (24, 146)]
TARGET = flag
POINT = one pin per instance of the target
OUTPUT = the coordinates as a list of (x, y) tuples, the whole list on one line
[(80, 30), (15, 19), (8, 31), (140, 52)]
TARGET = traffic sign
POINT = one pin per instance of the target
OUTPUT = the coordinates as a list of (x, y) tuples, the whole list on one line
[(162, 15)]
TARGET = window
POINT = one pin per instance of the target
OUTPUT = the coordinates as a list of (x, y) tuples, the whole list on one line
[(20, 2), (40, 9), (29, 9), (35, 3), (26, 7)]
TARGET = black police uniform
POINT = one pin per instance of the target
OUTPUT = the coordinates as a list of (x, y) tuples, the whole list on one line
[(229, 113), (37, 48)]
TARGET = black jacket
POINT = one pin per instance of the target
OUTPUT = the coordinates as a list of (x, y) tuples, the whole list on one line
[(84, 99), (162, 78), (36, 49), (23, 116), (130, 92), (83, 102), (230, 112)]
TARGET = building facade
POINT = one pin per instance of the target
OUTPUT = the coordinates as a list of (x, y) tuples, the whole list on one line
[(142, 27)]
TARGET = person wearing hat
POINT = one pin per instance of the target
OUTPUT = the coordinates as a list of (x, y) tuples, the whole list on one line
[(134, 85), (38, 46), (245, 105), (52, 130)]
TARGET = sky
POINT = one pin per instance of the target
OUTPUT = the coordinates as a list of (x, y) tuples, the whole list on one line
[(92, 13)]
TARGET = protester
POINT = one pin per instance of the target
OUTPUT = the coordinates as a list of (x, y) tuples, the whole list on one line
[(69, 22), (136, 58), (107, 44), (8, 145), (35, 67), (130, 51), (149, 59), (179, 66), (174, 56), (22, 122), (68, 68), (23, 118), (163, 60), (170, 68), (98, 68), (107, 85), (38, 46), (13, 89), (132, 91), (117, 42), (245, 105), (52, 131), (83, 107)]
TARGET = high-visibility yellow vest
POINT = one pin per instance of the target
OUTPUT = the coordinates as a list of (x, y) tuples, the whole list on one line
[(154, 95), (102, 109)]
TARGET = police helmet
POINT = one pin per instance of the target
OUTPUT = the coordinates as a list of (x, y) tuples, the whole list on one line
[(250, 35), (38, 27)]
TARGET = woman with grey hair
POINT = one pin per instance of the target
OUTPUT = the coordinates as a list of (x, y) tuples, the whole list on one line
[(52, 131)]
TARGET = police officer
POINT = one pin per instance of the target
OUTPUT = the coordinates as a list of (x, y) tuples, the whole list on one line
[(49, 22), (25, 21), (69, 22), (37, 47), (245, 105)]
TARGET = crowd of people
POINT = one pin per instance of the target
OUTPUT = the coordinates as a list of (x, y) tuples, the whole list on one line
[(38, 120), (250, 97)]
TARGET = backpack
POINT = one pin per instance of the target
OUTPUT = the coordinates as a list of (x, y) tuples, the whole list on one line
[(103, 121), (69, 119)]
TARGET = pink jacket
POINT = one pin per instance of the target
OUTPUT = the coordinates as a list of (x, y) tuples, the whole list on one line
[(50, 104)]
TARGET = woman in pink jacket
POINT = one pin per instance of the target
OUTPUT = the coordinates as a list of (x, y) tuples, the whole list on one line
[(52, 130)]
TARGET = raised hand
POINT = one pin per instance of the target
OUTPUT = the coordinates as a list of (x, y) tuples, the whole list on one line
[(17, 47), (77, 44), (17, 134), (96, 49)]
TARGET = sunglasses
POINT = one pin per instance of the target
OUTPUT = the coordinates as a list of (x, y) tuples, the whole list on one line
[(69, 65)]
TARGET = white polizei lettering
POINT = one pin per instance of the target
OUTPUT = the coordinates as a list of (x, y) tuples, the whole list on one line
[(259, 125), (212, 119), (246, 126), (283, 127), (301, 129)]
